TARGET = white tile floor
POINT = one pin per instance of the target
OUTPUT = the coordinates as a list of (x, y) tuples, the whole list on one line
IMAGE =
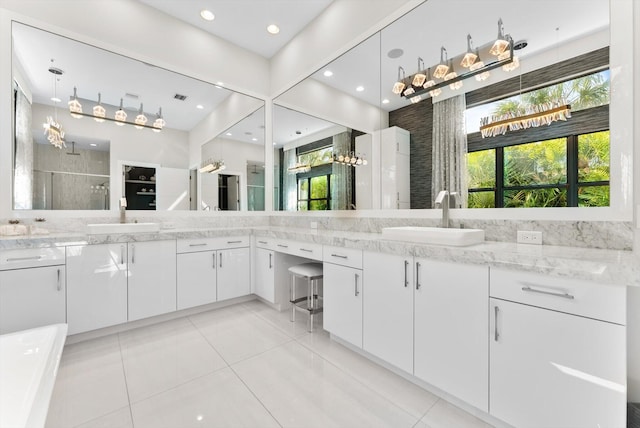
[(241, 366)]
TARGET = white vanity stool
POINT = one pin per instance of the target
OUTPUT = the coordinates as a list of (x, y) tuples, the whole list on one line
[(310, 303)]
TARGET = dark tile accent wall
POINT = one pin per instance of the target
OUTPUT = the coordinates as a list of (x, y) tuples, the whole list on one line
[(418, 120)]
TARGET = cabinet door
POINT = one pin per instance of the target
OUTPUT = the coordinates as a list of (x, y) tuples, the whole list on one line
[(31, 298), (97, 286), (553, 369), (388, 308), (152, 278), (342, 315), (451, 325), (234, 268), (264, 274), (196, 279)]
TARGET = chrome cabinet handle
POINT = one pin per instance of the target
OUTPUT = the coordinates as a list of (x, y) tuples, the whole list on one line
[(356, 284), (220, 259), (133, 254), (529, 288), (406, 282), (20, 259), (204, 244), (121, 254), (234, 242), (339, 256), (214, 259), (417, 275), (262, 242), (495, 323), (270, 262), (283, 246), (59, 283), (306, 250)]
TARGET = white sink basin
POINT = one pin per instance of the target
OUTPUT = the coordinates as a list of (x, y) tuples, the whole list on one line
[(434, 235), (122, 228)]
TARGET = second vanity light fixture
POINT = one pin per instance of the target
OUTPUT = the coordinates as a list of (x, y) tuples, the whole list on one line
[(120, 116), (452, 71), (212, 166)]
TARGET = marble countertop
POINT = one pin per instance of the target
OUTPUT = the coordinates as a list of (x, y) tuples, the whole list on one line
[(603, 266)]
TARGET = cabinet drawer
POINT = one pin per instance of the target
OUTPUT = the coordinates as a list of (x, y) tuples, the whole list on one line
[(266, 243), (342, 256), (206, 244), (588, 299), (301, 249), (31, 257)]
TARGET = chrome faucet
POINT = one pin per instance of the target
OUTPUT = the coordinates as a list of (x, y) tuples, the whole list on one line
[(446, 200), (123, 209)]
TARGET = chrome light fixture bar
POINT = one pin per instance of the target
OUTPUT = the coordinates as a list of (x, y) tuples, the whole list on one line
[(120, 116), (452, 71), (350, 159), (544, 114), (212, 166), (299, 167)]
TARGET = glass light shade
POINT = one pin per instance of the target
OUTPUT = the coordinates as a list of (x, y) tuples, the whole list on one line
[(341, 158), (354, 160), (55, 134), (359, 161), (468, 59), (120, 117), (428, 84), (347, 159), (480, 76), (499, 46), (75, 108), (418, 79), (435, 92), (409, 91), (512, 65), (398, 87), (99, 113), (415, 99), (454, 85), (158, 124), (440, 71), (364, 162), (140, 121)]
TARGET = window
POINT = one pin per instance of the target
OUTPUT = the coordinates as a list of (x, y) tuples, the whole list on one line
[(314, 193), (318, 157), (569, 168)]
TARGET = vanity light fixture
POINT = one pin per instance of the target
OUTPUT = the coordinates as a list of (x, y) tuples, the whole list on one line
[(75, 108), (212, 166), (99, 113), (121, 115), (141, 119), (52, 128), (452, 71), (299, 167), (159, 123), (538, 115), (350, 158)]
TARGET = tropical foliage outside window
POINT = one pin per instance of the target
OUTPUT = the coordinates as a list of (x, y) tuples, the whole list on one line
[(316, 157), (569, 171), (314, 187)]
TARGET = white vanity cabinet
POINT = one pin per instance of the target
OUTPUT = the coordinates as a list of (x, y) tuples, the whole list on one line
[(557, 352), (343, 286), (388, 308), (212, 269), (152, 278), (96, 286), (264, 282), (451, 349), (32, 288)]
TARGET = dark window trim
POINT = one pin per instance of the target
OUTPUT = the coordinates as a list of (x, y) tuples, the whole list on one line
[(307, 176)]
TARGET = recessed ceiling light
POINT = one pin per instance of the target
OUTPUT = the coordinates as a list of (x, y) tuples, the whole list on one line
[(360, 88), (220, 84), (228, 134), (93, 145), (56, 100), (328, 73), (207, 15), (385, 101), (273, 29), (199, 106), (254, 139)]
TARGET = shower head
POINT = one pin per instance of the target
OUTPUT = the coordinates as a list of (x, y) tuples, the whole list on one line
[(73, 150)]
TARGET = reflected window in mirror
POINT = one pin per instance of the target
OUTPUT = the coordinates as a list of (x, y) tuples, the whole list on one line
[(570, 168)]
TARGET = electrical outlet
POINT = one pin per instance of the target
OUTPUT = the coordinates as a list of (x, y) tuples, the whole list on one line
[(529, 237), (168, 225)]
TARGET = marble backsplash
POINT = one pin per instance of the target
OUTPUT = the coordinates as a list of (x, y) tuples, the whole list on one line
[(613, 235)]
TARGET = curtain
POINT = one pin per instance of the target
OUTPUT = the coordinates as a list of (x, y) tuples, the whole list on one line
[(289, 182), (449, 149), (341, 180), (23, 153)]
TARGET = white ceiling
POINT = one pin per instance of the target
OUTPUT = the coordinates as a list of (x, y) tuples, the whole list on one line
[(244, 22)]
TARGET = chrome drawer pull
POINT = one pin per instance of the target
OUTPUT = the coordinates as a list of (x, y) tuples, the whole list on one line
[(306, 250), (564, 295), (406, 281), (214, 260), (495, 324), (121, 254), (220, 259), (234, 242), (20, 259), (283, 246), (59, 283), (356, 284), (270, 261), (417, 275), (198, 245), (262, 242), (133, 254), (339, 256)]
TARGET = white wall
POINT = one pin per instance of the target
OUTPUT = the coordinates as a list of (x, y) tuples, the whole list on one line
[(341, 26), (319, 100)]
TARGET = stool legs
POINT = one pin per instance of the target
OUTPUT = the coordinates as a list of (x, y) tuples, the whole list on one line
[(310, 303), (292, 295)]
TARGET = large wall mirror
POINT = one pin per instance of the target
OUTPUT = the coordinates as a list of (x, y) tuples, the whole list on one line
[(97, 98), (559, 58)]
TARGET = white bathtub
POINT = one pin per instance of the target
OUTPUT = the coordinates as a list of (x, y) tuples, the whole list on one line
[(29, 363)]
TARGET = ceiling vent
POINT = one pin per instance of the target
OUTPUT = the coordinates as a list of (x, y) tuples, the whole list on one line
[(180, 97)]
